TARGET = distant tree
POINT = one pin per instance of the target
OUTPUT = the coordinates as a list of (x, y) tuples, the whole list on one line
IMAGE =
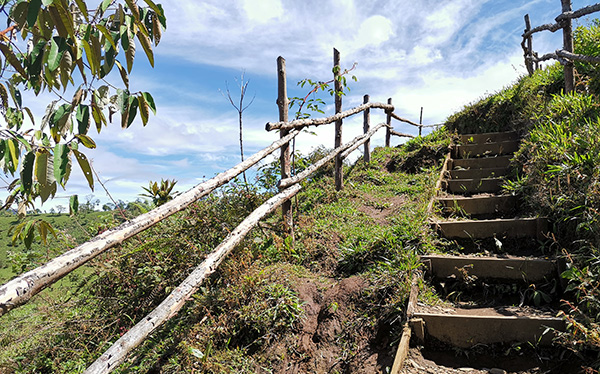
[(60, 209), (240, 108)]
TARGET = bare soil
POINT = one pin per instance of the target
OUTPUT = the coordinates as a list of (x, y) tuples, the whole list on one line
[(329, 320)]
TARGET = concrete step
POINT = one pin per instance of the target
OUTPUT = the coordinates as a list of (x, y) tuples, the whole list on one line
[(490, 137), (466, 328), (477, 173), (501, 228), (486, 149), (480, 163), (478, 205), (519, 269), (471, 186)]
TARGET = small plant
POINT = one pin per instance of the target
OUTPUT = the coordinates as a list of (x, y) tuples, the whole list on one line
[(160, 193)]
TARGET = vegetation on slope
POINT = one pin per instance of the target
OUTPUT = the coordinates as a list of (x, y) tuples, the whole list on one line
[(331, 297)]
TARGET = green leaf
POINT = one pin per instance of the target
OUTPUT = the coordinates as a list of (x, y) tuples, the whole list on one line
[(57, 49), (150, 100), (47, 2), (43, 228), (12, 156), (12, 59), (153, 6), (147, 46), (130, 54), (85, 167), (91, 59), (144, 109), (2, 149), (32, 11), (16, 95), (86, 141), (3, 95), (83, 119), (41, 167), (29, 234), (105, 4), (82, 8), (123, 73), (73, 205), (61, 163), (132, 110), (107, 35), (27, 171)]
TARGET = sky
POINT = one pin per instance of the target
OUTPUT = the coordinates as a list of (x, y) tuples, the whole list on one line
[(435, 54)]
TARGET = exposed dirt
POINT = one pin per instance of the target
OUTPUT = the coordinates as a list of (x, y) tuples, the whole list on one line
[(378, 213), (330, 313)]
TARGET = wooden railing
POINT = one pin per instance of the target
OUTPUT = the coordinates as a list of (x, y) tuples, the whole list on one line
[(22, 288), (565, 55)]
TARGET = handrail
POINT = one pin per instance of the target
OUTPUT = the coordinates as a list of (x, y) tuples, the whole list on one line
[(298, 123), (356, 142), (19, 290), (565, 55)]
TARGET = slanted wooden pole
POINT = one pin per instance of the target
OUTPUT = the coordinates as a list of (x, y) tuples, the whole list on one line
[(286, 167), (529, 51), (366, 128), (388, 132), (567, 26), (339, 177)]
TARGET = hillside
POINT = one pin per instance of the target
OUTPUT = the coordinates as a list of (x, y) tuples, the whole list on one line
[(332, 297)]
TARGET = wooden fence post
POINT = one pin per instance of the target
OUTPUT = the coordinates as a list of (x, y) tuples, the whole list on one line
[(366, 128), (339, 177), (388, 132), (286, 169), (529, 52), (421, 122), (567, 26)]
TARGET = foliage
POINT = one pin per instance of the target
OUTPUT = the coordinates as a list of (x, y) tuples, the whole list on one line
[(162, 193), (59, 46), (313, 103)]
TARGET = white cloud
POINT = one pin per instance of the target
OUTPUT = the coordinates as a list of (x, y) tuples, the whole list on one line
[(263, 11)]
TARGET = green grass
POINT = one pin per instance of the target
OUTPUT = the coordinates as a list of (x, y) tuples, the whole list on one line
[(71, 231)]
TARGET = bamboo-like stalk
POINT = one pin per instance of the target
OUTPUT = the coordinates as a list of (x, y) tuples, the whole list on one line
[(118, 352), (20, 290)]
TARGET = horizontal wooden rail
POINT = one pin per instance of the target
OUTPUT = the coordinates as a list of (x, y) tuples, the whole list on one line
[(118, 352), (20, 290), (396, 133), (562, 54), (358, 141), (270, 126), (552, 27), (398, 118)]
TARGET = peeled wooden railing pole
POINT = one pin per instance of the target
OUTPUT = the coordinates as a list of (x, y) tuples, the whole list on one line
[(118, 352), (567, 26), (286, 168), (339, 176), (19, 290), (388, 133), (366, 128)]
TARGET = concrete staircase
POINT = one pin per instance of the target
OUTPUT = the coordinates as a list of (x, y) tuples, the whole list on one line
[(473, 209)]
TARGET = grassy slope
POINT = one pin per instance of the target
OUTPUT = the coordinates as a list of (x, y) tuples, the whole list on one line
[(338, 289)]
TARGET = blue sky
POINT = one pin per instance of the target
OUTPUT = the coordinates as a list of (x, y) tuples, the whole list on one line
[(439, 55)]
